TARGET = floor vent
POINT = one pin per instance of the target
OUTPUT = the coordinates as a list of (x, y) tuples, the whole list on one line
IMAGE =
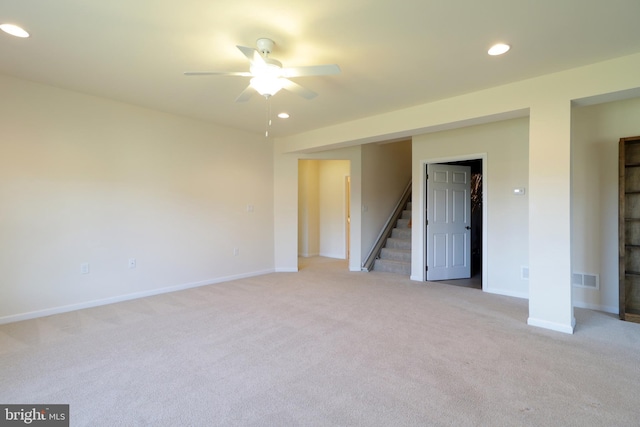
[(584, 280)]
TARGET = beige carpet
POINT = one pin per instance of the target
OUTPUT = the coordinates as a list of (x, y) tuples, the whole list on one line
[(324, 347)]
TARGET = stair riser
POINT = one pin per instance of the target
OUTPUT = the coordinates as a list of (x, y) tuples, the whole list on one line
[(401, 233), (398, 243), (396, 255), (406, 215), (402, 223), (392, 267)]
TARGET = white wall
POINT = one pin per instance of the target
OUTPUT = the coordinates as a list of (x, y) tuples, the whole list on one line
[(85, 179), (596, 131), (386, 171), (308, 208), (505, 148), (333, 207)]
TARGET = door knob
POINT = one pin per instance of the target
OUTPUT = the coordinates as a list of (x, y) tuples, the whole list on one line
[(468, 228)]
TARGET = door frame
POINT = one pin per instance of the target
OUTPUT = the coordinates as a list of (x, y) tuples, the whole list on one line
[(347, 214), (419, 212)]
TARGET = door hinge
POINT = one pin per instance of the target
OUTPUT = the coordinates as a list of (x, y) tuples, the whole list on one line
[(427, 176), (426, 222), (426, 268)]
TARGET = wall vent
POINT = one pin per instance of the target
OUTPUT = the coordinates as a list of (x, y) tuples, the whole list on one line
[(585, 280), (582, 280), (576, 279)]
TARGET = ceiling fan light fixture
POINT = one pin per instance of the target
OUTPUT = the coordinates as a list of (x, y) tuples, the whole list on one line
[(266, 86), (268, 75), (267, 68)]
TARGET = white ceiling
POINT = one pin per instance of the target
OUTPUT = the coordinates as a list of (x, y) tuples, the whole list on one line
[(393, 54)]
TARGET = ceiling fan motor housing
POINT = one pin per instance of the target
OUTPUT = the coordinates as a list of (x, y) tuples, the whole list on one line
[(265, 46)]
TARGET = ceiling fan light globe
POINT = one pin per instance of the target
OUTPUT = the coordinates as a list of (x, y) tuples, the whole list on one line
[(266, 86), (267, 69)]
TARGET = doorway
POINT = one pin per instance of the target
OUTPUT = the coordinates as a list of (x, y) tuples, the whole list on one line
[(324, 216), (476, 218)]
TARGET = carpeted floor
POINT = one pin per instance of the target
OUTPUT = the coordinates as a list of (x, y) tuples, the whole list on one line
[(324, 347)]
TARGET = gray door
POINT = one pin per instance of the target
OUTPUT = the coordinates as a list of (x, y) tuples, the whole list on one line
[(448, 222)]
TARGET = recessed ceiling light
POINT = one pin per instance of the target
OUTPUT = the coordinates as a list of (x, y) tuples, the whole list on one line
[(283, 115), (499, 49), (14, 30)]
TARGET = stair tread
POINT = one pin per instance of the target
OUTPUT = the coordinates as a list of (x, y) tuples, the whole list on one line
[(398, 240), (393, 261)]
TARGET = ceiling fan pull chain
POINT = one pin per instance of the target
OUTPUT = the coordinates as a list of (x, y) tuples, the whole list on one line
[(268, 117)]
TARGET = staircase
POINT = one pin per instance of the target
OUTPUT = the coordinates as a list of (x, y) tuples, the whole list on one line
[(395, 256)]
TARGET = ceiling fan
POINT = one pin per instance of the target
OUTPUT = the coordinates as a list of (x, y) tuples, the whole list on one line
[(267, 74)]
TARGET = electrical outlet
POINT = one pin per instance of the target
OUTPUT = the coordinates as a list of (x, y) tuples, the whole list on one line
[(132, 263), (236, 251), (84, 268)]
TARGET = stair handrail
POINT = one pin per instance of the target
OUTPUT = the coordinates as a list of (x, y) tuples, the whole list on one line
[(387, 229)]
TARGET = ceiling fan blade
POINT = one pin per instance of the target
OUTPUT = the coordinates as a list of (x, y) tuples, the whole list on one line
[(297, 89), (246, 94), (311, 70), (252, 54), (216, 73)]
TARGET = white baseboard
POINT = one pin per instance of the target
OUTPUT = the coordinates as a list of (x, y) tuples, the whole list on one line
[(287, 270), (308, 255), (506, 293), (558, 327), (597, 307), (334, 256), (120, 298)]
